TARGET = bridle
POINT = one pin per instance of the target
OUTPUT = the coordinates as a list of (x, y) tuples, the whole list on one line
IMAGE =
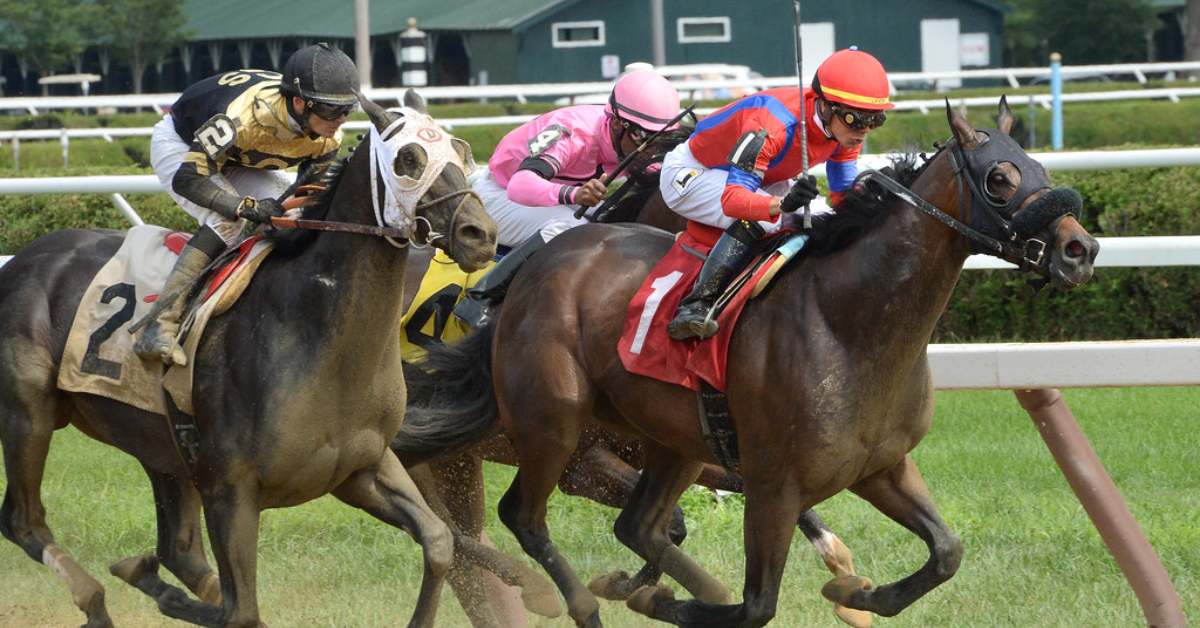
[(991, 230)]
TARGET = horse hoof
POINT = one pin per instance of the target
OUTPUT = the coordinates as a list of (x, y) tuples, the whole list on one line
[(611, 586), (853, 616), (209, 590), (843, 589), (541, 598), (134, 568), (645, 598)]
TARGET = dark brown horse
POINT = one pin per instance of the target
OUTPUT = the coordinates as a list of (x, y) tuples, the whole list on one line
[(829, 384), (604, 467), (298, 388)]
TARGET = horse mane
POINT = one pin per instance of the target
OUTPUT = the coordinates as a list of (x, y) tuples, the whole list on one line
[(863, 207), (326, 175)]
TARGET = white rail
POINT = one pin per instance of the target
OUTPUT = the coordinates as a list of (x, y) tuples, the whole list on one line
[(1173, 94), (553, 90)]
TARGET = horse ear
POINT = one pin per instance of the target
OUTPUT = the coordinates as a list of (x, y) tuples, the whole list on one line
[(379, 116), (413, 100), (963, 131), (464, 151), (1006, 119)]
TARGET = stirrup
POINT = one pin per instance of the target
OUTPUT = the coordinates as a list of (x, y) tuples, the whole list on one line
[(687, 325), (152, 343), (473, 312)]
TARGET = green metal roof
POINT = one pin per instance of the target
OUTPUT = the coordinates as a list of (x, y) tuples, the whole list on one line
[(263, 19)]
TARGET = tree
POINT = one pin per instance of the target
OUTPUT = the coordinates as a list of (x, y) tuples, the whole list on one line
[(45, 34), (1084, 31), (1191, 43), (139, 32)]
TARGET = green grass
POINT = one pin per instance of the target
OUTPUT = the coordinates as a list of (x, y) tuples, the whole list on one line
[(1032, 557)]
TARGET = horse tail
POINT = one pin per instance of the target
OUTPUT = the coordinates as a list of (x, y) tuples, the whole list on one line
[(451, 405)]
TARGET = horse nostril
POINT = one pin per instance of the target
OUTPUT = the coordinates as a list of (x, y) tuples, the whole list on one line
[(1075, 248), (471, 233)]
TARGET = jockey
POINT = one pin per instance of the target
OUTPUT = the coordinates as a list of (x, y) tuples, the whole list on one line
[(545, 167), (733, 172), (221, 153)]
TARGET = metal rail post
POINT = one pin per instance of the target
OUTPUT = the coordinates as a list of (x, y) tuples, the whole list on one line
[(1105, 506)]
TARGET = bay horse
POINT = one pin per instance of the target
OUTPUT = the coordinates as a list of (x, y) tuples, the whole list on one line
[(829, 383), (298, 388), (604, 467)]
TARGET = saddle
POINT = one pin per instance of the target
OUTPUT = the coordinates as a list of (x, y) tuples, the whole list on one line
[(644, 346)]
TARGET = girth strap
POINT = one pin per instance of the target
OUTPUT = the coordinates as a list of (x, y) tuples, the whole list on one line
[(716, 425)]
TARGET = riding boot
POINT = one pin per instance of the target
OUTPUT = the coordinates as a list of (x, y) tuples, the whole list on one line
[(724, 261), (480, 304), (157, 339)]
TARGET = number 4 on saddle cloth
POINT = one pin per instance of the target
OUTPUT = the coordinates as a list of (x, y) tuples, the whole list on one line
[(644, 346), (99, 358)]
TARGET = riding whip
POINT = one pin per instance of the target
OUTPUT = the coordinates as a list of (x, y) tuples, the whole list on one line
[(629, 158), (803, 112)]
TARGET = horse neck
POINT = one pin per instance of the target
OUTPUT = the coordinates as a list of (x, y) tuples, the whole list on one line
[(364, 275), (904, 268)]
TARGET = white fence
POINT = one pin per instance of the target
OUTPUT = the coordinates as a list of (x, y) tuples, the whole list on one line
[(522, 93)]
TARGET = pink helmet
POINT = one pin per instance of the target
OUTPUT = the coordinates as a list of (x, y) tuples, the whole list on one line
[(644, 98)]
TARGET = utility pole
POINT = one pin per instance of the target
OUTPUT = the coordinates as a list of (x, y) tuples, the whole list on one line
[(657, 34), (362, 41)]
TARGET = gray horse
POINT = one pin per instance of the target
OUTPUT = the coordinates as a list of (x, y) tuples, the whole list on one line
[(298, 391)]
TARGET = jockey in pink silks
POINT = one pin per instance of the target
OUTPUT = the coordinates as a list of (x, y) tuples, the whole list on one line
[(544, 168)]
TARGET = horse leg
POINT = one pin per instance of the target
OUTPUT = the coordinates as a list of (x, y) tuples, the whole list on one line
[(389, 494), (837, 558), (901, 494), (834, 553), (773, 504), (641, 526), (605, 477), (546, 444), (26, 426), (180, 544), (454, 490)]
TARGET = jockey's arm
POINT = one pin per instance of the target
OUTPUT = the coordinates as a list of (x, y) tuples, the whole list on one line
[(193, 181), (840, 171), (530, 185), (750, 158)]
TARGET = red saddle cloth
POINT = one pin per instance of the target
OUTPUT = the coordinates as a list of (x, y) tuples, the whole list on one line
[(644, 346)]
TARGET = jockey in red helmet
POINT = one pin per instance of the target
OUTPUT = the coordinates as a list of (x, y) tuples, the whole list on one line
[(733, 172), (545, 167)]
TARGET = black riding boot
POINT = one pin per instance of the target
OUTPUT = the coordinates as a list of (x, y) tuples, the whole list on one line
[(480, 304), (724, 261)]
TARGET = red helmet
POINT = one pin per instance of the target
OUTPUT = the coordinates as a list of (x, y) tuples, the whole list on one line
[(855, 79)]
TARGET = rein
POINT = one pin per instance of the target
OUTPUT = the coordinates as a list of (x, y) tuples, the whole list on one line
[(1028, 255), (402, 235)]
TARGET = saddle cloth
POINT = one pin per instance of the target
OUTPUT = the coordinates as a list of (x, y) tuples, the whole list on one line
[(644, 346), (428, 319), (99, 359)]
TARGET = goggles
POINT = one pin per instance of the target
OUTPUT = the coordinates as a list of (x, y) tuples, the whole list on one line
[(328, 112), (857, 119)]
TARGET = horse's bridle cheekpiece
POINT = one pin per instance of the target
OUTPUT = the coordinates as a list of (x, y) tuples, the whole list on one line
[(993, 229)]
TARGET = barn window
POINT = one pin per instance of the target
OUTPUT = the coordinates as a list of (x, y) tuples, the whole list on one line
[(703, 30), (578, 34)]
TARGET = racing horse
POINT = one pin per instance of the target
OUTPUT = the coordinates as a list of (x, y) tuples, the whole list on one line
[(282, 422), (603, 468), (829, 383)]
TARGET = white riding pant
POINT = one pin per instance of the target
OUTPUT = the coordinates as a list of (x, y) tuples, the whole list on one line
[(694, 190), (167, 151), (518, 222)]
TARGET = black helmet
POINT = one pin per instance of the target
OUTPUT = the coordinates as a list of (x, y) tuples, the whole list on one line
[(321, 73)]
